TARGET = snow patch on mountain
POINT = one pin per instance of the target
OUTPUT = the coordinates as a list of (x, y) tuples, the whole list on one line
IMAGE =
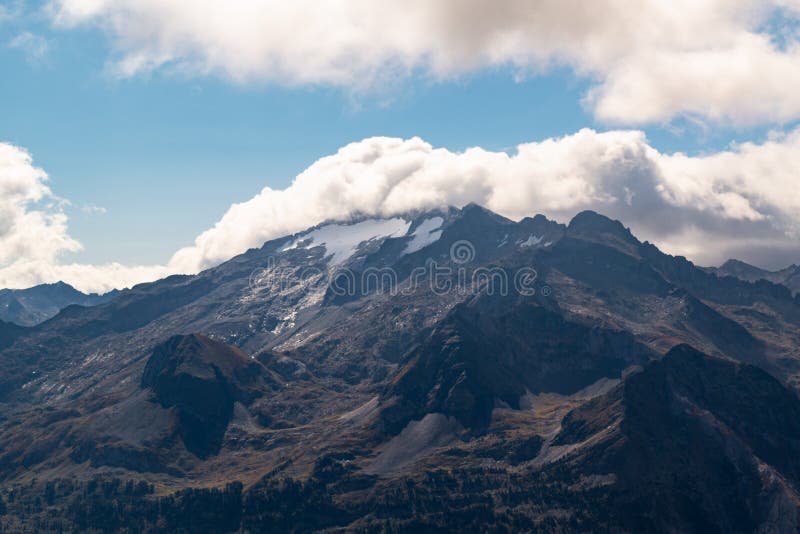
[(341, 241), (532, 241), (428, 232)]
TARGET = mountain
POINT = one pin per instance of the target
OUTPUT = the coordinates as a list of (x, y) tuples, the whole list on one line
[(790, 276), (9, 332), (29, 307), (441, 370), (693, 443)]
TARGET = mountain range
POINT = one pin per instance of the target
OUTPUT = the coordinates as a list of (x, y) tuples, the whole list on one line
[(29, 307), (445, 370), (790, 276)]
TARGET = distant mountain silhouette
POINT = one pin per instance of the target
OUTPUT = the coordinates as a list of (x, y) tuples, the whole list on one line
[(29, 307), (790, 276)]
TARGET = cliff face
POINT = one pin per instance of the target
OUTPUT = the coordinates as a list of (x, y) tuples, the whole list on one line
[(201, 380)]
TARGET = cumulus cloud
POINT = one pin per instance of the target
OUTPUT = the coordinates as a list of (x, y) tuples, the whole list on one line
[(34, 234), (742, 202), (25, 232), (718, 60)]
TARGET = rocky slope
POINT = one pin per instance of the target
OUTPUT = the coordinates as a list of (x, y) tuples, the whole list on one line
[(693, 443), (440, 370)]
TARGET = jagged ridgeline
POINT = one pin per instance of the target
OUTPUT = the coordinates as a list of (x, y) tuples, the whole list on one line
[(430, 371), (29, 307)]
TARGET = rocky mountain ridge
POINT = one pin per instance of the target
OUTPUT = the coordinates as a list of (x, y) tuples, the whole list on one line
[(483, 372), (789, 276), (29, 307)]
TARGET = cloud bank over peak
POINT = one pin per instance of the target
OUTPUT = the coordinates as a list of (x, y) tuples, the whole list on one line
[(725, 61), (741, 202)]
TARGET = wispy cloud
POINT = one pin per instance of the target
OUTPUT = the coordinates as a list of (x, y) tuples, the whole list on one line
[(7, 13), (91, 209), (34, 47)]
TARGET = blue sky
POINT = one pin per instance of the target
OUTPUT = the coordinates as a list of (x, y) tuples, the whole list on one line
[(168, 155), (184, 150), (166, 151)]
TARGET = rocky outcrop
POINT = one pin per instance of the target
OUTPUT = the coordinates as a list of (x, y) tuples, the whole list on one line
[(201, 379)]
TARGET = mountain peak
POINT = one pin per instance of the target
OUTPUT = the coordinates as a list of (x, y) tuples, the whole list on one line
[(31, 306), (591, 220), (475, 211), (744, 271), (739, 265), (590, 224)]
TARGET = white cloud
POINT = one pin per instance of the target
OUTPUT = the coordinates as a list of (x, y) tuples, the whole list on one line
[(91, 209), (9, 11), (743, 202), (31, 223), (35, 47), (34, 234), (718, 60), (84, 277)]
